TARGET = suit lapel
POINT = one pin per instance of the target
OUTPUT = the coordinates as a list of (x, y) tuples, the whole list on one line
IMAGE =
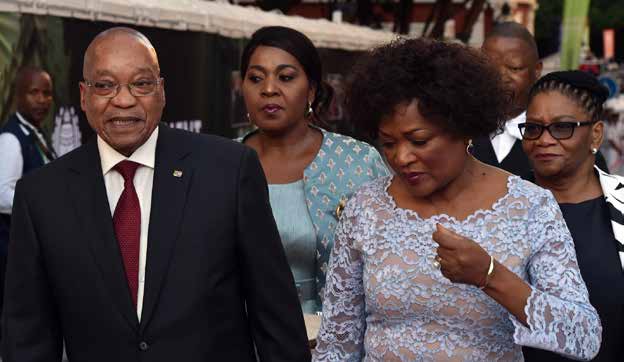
[(484, 152), (88, 192), (172, 179), (517, 161)]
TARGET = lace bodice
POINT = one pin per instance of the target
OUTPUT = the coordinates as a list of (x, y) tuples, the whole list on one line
[(385, 301)]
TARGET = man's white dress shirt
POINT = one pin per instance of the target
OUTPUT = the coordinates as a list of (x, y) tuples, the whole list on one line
[(503, 143), (143, 181), (12, 162)]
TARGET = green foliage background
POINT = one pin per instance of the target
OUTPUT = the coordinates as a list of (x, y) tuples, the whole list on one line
[(603, 14), (10, 29), (31, 40)]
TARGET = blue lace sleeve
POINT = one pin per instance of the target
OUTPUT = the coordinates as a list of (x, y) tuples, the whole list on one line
[(559, 314), (342, 328)]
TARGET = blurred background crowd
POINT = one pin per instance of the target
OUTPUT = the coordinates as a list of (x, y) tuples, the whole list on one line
[(209, 37)]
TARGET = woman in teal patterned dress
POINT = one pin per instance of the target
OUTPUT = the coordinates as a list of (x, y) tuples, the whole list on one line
[(311, 172)]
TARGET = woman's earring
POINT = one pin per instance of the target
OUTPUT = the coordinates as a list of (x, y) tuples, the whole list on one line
[(594, 150), (309, 111), (469, 147)]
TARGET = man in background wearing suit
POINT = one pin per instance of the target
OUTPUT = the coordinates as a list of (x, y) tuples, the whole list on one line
[(149, 243), (512, 49)]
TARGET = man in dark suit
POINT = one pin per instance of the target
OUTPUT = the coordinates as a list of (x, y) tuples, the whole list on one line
[(147, 244), (512, 49)]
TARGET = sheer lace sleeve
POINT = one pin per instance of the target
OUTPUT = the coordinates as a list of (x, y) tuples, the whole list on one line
[(342, 328), (559, 314)]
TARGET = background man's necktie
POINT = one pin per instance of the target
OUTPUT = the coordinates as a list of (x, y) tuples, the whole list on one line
[(127, 222), (47, 150)]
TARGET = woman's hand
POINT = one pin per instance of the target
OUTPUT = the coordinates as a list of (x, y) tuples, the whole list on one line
[(464, 261), (461, 260)]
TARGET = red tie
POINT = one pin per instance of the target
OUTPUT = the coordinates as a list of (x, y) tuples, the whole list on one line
[(127, 221)]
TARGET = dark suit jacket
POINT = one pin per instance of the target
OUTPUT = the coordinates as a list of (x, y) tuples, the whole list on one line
[(217, 279), (516, 162)]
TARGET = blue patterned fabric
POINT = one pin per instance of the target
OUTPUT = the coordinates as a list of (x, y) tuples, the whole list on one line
[(386, 301), (341, 166)]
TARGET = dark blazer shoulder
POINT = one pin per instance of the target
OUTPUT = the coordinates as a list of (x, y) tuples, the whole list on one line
[(86, 157), (47, 178), (207, 145)]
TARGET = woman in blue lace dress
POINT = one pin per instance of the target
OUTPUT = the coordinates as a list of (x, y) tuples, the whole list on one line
[(449, 259)]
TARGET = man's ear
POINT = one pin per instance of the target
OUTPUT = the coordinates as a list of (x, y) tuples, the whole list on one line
[(162, 88), (539, 66), (83, 90)]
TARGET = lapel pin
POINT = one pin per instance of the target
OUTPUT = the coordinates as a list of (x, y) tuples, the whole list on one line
[(177, 173)]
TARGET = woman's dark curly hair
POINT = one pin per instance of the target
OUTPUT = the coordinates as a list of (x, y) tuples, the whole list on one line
[(455, 86)]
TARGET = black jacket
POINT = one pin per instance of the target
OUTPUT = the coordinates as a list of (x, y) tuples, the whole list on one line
[(217, 279)]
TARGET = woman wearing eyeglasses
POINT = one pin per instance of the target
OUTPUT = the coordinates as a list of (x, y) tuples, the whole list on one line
[(561, 136)]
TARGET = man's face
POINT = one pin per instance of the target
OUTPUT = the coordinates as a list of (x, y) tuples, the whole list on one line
[(518, 65), (125, 121), (34, 97)]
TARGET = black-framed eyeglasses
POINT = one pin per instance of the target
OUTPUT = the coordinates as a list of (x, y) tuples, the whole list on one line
[(558, 130), (139, 88)]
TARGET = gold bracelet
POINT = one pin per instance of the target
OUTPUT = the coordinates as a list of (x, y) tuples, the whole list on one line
[(489, 273)]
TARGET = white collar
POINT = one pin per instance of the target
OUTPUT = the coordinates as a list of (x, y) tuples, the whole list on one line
[(511, 126), (27, 128), (27, 125), (144, 155)]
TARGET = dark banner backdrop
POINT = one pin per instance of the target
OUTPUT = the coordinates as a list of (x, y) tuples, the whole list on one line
[(201, 72), (196, 67)]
